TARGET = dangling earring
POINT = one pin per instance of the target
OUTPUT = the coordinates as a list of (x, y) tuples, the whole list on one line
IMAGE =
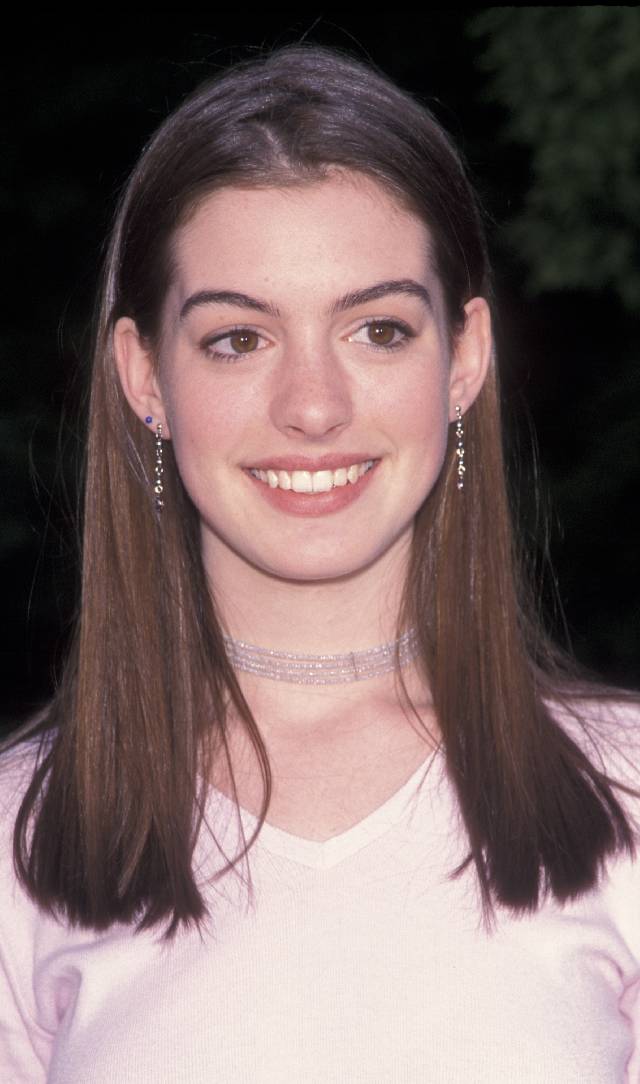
[(460, 446), (157, 489)]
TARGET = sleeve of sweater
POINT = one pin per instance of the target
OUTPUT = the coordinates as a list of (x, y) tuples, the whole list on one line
[(622, 894), (621, 887), (20, 1040), (613, 746), (24, 1045)]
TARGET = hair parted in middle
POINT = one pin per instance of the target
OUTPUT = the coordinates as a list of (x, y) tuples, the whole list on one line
[(142, 703)]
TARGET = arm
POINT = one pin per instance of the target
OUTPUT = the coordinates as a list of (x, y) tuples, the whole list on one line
[(23, 1045)]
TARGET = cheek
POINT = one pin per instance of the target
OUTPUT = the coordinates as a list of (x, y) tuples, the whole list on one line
[(425, 432), (196, 430), (190, 423), (421, 408), (210, 430)]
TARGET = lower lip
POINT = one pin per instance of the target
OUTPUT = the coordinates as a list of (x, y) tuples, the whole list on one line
[(314, 504)]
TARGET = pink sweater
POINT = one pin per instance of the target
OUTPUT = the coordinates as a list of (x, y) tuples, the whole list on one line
[(361, 963)]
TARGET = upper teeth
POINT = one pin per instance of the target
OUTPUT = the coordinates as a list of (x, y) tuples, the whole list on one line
[(320, 481)]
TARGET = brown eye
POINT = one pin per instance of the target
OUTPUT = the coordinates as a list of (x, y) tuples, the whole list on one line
[(243, 342), (234, 344), (381, 334), (384, 334)]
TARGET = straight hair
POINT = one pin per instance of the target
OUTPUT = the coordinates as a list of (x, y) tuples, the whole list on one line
[(117, 796)]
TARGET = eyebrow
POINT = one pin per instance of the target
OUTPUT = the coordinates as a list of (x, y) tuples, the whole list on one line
[(347, 301), (382, 289)]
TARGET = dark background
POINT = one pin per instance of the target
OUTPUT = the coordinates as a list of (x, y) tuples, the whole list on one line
[(543, 103)]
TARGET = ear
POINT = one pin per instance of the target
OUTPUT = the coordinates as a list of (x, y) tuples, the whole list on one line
[(472, 356), (137, 372)]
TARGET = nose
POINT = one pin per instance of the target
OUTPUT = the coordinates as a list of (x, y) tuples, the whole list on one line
[(312, 396)]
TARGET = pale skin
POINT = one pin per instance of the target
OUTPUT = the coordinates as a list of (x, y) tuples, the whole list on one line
[(309, 376)]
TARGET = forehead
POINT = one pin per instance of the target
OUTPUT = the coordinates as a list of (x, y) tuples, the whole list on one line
[(314, 238)]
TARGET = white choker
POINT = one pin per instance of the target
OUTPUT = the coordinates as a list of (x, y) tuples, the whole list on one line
[(321, 669)]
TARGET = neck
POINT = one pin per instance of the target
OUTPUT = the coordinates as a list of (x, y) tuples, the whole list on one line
[(350, 613), (334, 615)]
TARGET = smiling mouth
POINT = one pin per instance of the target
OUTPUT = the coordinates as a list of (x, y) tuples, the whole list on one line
[(322, 481)]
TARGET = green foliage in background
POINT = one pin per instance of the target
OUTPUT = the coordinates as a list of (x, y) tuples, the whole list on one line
[(569, 78)]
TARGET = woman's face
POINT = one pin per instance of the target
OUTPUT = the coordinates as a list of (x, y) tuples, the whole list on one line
[(305, 332)]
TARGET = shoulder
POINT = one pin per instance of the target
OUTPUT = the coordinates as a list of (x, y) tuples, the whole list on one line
[(22, 750), (17, 765), (606, 728), (20, 757), (600, 722)]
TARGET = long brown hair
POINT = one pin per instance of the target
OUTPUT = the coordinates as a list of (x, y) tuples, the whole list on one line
[(118, 790)]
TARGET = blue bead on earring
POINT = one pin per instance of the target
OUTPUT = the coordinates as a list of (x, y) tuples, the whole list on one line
[(148, 419)]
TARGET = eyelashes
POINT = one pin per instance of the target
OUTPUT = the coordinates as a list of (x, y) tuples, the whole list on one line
[(379, 334), (245, 339), (381, 328)]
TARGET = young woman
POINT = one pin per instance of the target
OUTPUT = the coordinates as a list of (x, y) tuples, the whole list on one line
[(316, 799)]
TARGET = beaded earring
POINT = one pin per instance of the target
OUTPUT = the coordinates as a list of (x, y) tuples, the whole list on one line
[(158, 471), (460, 447)]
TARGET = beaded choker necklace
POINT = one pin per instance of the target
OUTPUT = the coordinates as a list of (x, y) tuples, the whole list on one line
[(321, 669)]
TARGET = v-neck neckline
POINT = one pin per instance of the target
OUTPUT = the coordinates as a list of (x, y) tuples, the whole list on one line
[(324, 854)]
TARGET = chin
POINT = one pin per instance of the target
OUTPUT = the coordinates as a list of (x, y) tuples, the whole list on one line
[(312, 572), (318, 567)]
